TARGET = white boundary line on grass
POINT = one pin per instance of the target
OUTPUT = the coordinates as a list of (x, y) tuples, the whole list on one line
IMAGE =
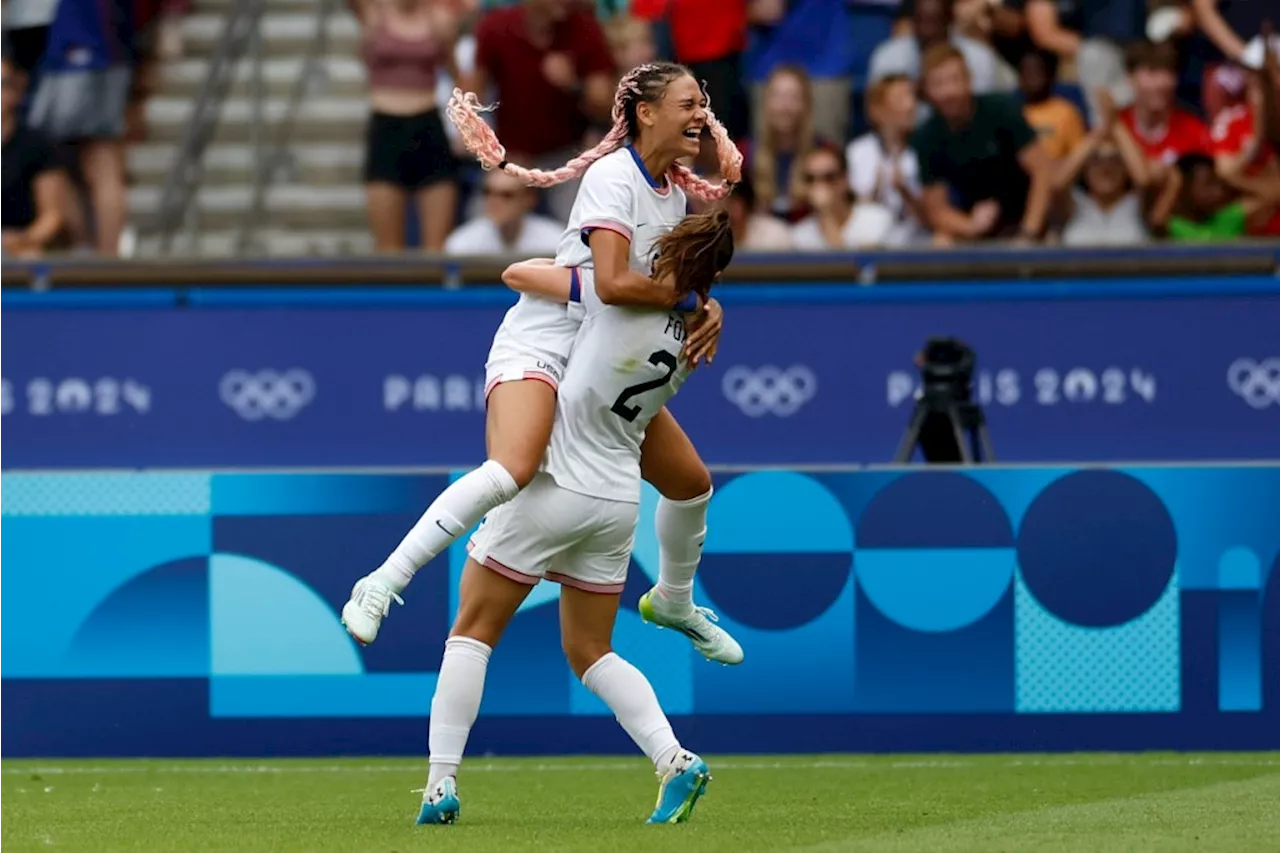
[(630, 766)]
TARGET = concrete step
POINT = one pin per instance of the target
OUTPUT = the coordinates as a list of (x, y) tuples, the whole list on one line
[(319, 119), (339, 77), (268, 242), (293, 206), (283, 34), (311, 164)]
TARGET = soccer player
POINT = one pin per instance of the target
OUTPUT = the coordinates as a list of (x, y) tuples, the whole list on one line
[(575, 524), (629, 196)]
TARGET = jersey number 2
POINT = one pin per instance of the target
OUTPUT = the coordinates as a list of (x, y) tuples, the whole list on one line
[(659, 358)]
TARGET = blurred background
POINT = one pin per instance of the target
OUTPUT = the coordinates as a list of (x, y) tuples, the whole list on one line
[(250, 278)]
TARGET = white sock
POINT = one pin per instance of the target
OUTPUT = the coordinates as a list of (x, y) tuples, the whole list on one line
[(450, 515), (631, 698), (682, 528), (455, 705)]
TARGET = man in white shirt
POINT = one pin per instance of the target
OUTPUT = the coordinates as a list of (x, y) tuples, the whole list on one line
[(931, 22), (507, 225)]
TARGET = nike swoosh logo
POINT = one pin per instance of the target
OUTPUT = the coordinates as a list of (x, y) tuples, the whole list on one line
[(445, 529)]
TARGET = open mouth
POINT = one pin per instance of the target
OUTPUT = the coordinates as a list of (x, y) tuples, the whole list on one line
[(693, 133)]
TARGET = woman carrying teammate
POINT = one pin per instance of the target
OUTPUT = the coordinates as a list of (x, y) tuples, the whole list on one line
[(575, 522), (620, 211)]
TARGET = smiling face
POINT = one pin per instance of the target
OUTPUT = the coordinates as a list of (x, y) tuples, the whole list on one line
[(785, 102), (673, 123)]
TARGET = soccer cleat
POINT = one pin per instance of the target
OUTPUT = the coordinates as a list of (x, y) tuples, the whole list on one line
[(696, 623), (440, 804), (679, 788), (370, 603)]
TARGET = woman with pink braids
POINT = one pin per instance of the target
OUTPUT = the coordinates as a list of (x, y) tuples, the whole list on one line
[(631, 194)]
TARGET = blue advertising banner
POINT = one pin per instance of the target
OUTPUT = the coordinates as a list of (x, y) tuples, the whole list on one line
[(985, 609), (805, 376)]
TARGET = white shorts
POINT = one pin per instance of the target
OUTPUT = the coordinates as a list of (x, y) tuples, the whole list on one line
[(563, 536), (533, 342)]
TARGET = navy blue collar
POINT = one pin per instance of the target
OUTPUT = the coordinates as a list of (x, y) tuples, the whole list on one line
[(635, 155)]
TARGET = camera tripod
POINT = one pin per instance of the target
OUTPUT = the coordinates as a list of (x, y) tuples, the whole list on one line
[(946, 429)]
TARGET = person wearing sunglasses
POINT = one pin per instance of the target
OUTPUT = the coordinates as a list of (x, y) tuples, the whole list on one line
[(835, 222), (507, 224)]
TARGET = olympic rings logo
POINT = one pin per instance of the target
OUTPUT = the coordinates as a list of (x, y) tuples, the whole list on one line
[(1256, 382), (769, 390), (267, 393)]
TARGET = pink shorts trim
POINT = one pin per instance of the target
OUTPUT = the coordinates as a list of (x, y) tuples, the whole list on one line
[(586, 586), (528, 374), (510, 573)]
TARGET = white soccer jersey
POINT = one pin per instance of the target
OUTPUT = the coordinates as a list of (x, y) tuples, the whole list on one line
[(619, 194), (626, 365)]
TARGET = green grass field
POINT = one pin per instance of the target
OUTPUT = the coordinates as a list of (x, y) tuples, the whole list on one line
[(1087, 802)]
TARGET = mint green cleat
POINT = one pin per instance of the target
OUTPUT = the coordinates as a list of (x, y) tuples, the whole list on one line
[(696, 623), (679, 789), (440, 804)]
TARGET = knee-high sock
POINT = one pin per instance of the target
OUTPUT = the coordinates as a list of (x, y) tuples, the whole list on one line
[(456, 704), (631, 698), (450, 515), (682, 528)]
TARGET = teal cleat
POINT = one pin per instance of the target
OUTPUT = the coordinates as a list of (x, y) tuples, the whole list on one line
[(441, 804), (680, 788)]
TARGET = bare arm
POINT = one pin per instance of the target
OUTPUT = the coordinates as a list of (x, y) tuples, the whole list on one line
[(616, 282), (1134, 161), (1216, 28), (49, 190), (1047, 31), (1162, 209), (1037, 163), (539, 277), (942, 217), (1069, 169)]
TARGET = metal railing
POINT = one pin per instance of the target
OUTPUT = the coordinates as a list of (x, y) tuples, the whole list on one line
[(278, 160), (179, 209)]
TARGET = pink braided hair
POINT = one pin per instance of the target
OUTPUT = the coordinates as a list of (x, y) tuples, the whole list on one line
[(464, 110)]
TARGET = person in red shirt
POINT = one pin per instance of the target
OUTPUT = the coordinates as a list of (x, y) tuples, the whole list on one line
[(549, 64), (1162, 130), (1242, 154)]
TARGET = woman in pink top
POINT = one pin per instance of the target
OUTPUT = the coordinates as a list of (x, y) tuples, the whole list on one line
[(407, 152)]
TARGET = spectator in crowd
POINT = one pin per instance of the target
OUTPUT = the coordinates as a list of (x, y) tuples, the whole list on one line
[(979, 151), (999, 23), (80, 101), (1107, 209), (1198, 206), (26, 30), (406, 43), (1245, 140), (882, 166), (35, 188), (508, 224), (1056, 121), (1095, 40), (787, 138), (709, 36), (1228, 25), (1163, 130), (630, 41), (931, 24), (836, 222), (754, 231), (551, 71)]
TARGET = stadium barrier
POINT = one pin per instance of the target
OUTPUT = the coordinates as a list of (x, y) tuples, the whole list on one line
[(993, 608), (1076, 370)]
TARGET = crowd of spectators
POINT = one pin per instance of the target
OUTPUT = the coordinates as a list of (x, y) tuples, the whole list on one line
[(1079, 122), (865, 123)]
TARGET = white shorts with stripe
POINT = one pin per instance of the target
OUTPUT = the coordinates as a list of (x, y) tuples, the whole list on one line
[(533, 342), (562, 536)]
